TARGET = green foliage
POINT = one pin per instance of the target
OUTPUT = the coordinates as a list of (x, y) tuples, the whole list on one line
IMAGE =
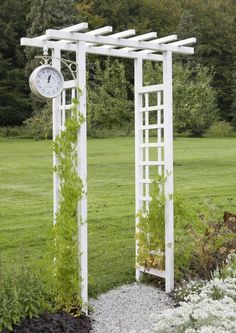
[(214, 239), (108, 104), (16, 131), (151, 229), (202, 243), (220, 128), (213, 23), (22, 293), (65, 230), (39, 126), (14, 91), (151, 233), (194, 99)]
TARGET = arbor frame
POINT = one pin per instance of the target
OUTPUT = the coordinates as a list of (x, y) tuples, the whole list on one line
[(125, 45)]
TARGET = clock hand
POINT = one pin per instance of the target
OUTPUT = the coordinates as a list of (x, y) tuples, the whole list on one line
[(49, 78)]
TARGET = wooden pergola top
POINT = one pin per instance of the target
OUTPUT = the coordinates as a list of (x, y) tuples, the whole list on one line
[(125, 44)]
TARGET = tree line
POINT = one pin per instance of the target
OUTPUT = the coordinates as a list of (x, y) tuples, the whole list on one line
[(204, 84)]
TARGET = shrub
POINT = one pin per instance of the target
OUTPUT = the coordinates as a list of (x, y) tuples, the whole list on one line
[(202, 241), (17, 131), (22, 293), (40, 125), (220, 128)]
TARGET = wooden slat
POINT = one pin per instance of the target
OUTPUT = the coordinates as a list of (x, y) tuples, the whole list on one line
[(144, 37), (152, 163), (165, 39), (149, 89), (153, 145), (153, 271), (77, 27), (122, 34), (184, 42), (145, 199), (150, 127), (69, 84), (152, 108)]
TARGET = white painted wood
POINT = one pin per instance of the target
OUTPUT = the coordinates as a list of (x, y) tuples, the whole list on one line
[(122, 34), (153, 271), (97, 32), (150, 163), (165, 39), (63, 109), (82, 170), (69, 84), (153, 88), (152, 108), (144, 199), (146, 127), (73, 28), (147, 36), (67, 46), (76, 27), (100, 31), (168, 146), (124, 54), (183, 42), (56, 121), (153, 145), (145, 181), (150, 127), (76, 36), (138, 82), (159, 136)]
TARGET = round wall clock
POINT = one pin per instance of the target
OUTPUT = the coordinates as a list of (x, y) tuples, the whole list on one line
[(46, 82)]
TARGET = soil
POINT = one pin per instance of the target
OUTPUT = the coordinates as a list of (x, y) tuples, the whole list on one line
[(59, 322)]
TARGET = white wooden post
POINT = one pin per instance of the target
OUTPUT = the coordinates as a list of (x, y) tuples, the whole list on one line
[(168, 152), (82, 170), (138, 82), (56, 121)]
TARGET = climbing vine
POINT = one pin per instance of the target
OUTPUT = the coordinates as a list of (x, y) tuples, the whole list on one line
[(65, 231), (151, 229)]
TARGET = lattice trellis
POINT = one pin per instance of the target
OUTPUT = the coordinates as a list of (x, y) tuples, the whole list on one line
[(153, 113)]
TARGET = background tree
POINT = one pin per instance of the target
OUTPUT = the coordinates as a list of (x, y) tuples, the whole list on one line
[(194, 99), (14, 104), (195, 107), (108, 104), (214, 24)]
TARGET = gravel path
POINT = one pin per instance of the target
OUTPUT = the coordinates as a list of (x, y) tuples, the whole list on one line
[(127, 309)]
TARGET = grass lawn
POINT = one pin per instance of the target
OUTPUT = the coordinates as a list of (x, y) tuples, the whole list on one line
[(203, 168)]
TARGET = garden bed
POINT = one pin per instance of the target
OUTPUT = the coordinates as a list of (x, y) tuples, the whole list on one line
[(59, 322)]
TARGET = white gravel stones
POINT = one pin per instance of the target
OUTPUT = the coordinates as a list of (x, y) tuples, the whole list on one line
[(127, 309)]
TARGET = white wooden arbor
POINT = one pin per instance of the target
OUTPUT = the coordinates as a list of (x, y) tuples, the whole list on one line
[(126, 45)]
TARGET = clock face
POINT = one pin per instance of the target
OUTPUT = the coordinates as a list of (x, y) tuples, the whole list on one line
[(46, 82)]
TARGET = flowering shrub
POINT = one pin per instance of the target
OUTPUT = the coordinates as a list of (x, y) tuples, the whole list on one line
[(206, 308)]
